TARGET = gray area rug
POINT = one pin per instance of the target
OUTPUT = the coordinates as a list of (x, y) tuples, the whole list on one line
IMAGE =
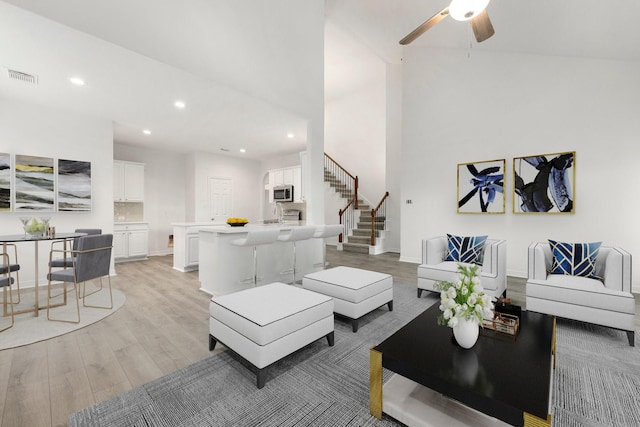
[(28, 329), (595, 382)]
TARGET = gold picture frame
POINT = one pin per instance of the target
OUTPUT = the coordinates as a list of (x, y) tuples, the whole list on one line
[(480, 187), (544, 183)]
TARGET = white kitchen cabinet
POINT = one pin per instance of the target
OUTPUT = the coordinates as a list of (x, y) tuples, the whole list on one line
[(297, 185), (186, 244), (130, 241), (287, 176), (128, 181), (278, 177)]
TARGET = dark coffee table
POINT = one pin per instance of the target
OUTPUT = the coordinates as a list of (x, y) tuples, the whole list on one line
[(510, 377)]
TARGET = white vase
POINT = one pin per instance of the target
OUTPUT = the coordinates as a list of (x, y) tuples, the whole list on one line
[(466, 332)]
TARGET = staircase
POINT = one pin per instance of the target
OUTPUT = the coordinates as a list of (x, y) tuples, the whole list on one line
[(358, 239)]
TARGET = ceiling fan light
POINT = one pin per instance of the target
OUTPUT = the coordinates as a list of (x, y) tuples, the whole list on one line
[(463, 10)]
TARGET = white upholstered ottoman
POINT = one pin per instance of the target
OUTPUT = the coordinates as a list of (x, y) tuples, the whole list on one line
[(266, 323), (356, 292)]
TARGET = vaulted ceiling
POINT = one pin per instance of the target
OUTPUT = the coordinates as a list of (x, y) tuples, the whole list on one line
[(243, 67)]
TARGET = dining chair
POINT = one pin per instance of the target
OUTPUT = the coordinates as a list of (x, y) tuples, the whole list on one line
[(91, 260), (5, 282), (67, 261), (12, 267)]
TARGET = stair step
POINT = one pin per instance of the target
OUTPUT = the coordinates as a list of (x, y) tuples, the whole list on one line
[(367, 218), (355, 247), (363, 240), (367, 225), (364, 232)]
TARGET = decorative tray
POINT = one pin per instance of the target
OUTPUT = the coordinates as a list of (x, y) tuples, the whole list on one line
[(238, 224), (502, 322)]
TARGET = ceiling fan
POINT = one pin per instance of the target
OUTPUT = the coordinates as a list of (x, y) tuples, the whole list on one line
[(460, 10)]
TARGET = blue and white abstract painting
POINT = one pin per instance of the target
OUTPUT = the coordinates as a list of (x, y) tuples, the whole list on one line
[(544, 183), (74, 185), (34, 184), (481, 187), (5, 182)]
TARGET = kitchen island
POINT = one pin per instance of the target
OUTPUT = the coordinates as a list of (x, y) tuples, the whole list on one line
[(186, 243), (225, 267)]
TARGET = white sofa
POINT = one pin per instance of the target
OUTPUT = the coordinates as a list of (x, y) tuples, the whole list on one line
[(608, 303), (493, 271)]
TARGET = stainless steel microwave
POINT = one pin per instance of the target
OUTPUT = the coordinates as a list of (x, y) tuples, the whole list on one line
[(283, 193)]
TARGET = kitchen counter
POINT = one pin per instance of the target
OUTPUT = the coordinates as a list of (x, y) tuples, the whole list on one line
[(226, 268), (197, 224), (130, 222), (227, 229), (186, 246)]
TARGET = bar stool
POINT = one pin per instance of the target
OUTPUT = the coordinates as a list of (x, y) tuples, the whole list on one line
[(255, 238), (324, 232), (296, 234), (6, 281)]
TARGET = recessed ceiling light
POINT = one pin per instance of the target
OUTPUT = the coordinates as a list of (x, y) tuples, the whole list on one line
[(146, 132), (290, 135), (77, 81), (179, 104), (242, 150)]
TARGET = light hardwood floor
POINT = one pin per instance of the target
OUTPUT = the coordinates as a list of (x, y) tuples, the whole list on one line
[(163, 326)]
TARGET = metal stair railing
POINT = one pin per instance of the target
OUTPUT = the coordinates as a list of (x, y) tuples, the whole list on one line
[(343, 176)]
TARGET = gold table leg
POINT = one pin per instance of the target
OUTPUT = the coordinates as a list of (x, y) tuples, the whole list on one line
[(375, 383), (553, 343), (36, 307), (4, 290), (533, 421)]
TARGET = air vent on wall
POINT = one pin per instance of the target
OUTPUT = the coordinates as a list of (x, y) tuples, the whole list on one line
[(23, 77)]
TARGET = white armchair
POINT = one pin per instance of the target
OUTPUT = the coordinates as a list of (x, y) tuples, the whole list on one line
[(608, 302), (493, 271)]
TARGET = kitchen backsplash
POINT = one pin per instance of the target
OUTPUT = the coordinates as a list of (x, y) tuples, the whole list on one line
[(127, 212)]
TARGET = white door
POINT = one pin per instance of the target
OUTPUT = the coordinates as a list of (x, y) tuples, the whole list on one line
[(219, 198)]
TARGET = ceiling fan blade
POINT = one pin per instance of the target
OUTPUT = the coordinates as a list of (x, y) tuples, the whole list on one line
[(482, 27), (425, 26)]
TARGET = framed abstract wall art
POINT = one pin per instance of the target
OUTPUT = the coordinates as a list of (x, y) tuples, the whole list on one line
[(481, 187), (34, 184), (5, 182), (544, 183), (74, 185)]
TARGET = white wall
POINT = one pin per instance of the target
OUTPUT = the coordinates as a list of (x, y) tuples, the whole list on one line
[(492, 106), (38, 131), (246, 180), (393, 154), (164, 191), (355, 135), (355, 110)]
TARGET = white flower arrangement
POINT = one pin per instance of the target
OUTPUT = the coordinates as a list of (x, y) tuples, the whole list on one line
[(464, 298)]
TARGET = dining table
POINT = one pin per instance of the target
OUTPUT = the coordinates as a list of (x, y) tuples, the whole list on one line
[(24, 238)]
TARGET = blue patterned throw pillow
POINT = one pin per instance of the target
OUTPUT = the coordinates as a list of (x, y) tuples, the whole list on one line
[(465, 249), (574, 259)]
